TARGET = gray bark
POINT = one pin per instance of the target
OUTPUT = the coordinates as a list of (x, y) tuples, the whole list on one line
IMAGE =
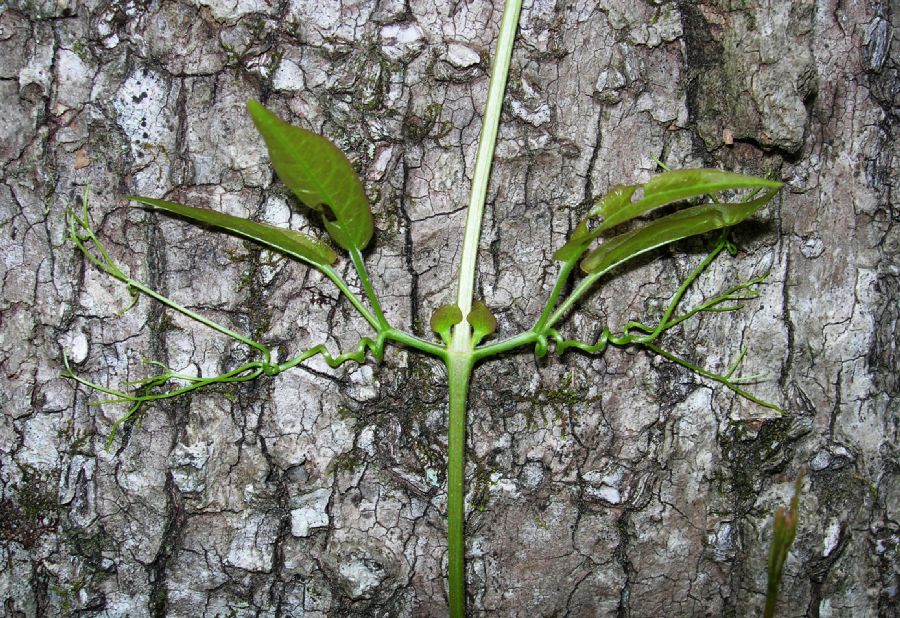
[(614, 486)]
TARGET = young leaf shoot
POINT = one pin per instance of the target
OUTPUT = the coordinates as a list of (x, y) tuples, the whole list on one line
[(322, 178)]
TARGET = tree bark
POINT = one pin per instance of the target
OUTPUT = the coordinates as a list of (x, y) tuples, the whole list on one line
[(614, 486)]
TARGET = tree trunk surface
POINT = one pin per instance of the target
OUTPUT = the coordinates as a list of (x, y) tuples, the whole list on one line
[(621, 485)]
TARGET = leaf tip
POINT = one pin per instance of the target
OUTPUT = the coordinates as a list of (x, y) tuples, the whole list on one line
[(255, 108)]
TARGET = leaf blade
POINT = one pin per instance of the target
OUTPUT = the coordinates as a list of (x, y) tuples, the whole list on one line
[(678, 185), (319, 174), (676, 226), (617, 207), (284, 240)]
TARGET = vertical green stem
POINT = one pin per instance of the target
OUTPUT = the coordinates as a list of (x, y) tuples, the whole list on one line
[(459, 370), (459, 358), (483, 159)]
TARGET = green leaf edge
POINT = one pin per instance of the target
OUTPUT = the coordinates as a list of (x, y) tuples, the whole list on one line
[(616, 207), (286, 241), (706, 218)]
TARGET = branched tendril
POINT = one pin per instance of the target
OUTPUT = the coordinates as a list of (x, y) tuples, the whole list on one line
[(151, 388), (639, 334)]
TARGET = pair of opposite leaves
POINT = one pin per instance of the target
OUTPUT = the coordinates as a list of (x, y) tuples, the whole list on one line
[(324, 180)]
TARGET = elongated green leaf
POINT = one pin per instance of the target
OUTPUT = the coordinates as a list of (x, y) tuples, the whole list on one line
[(287, 241), (319, 175), (678, 185), (617, 206), (587, 230), (678, 225)]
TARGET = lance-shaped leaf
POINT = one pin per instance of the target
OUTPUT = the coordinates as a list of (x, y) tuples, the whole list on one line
[(444, 319), (482, 320), (587, 230), (287, 241), (319, 175), (617, 206), (678, 225), (678, 185)]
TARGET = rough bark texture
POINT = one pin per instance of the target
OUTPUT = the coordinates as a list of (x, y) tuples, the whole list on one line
[(617, 486)]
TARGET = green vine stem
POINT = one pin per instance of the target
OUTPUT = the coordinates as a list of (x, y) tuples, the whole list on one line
[(459, 357), (81, 234), (459, 371), (483, 160)]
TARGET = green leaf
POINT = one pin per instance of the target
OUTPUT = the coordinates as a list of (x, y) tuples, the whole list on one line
[(319, 175), (287, 241), (585, 233), (678, 185), (617, 206), (482, 320), (444, 319), (678, 225)]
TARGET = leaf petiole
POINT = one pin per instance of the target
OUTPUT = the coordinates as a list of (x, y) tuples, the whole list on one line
[(341, 285), (561, 280), (381, 323)]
